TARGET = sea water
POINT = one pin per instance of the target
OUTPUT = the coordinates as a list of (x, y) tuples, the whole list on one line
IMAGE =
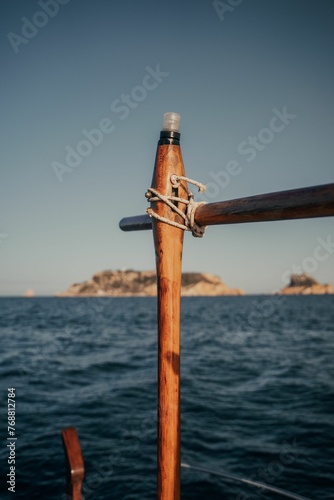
[(257, 395)]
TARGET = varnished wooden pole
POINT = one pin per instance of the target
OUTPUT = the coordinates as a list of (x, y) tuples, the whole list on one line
[(304, 203), (314, 201), (168, 241), (75, 464)]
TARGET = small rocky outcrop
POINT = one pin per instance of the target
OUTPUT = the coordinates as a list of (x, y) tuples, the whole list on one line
[(132, 283), (303, 284)]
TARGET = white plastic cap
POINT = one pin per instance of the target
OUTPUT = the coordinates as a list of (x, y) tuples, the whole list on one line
[(171, 122)]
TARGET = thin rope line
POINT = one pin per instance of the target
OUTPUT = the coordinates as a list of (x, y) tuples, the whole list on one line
[(246, 481), (175, 180), (191, 206)]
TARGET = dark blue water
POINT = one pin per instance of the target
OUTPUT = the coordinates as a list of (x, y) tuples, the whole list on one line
[(257, 394)]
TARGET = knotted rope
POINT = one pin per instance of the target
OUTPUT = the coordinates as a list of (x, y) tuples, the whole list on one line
[(189, 215)]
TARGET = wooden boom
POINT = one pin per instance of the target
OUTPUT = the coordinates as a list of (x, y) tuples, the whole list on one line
[(304, 203)]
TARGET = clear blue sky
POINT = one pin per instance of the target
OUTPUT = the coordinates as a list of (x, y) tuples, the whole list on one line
[(224, 69)]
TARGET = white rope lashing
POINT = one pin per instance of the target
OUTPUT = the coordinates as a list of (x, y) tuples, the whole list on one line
[(189, 215)]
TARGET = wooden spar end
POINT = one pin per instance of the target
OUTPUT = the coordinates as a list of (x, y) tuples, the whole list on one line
[(75, 463), (136, 223)]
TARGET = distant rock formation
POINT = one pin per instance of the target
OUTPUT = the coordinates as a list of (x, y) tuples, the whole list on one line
[(303, 284), (132, 283)]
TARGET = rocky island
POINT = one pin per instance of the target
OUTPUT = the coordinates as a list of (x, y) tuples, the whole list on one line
[(132, 283), (303, 284)]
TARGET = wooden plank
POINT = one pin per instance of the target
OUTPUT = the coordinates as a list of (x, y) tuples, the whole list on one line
[(75, 463)]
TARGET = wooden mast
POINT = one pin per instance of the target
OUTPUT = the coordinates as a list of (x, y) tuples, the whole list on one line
[(168, 242)]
